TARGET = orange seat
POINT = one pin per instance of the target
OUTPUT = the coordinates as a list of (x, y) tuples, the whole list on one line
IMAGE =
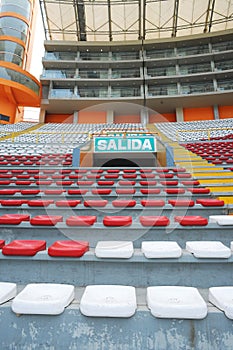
[(87, 220), (24, 247), (68, 248)]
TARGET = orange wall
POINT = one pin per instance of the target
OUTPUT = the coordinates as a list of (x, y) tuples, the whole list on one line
[(127, 119), (7, 108), (162, 118), (59, 118), (225, 112), (92, 117), (192, 114)]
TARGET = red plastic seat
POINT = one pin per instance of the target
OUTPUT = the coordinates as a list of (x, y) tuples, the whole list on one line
[(199, 190), (23, 177), (40, 203), (53, 192), (49, 171), (12, 202), (117, 220), (103, 191), (46, 220), (77, 192), (191, 220), (40, 177), (58, 177), (152, 202), (112, 171), (95, 203), (85, 183), (181, 202), (148, 183), (125, 190), (2, 243), (105, 183), (184, 176), (44, 182), (123, 203), (5, 182), (32, 171), (75, 177), (24, 247), (154, 221), (150, 190), (97, 171), (93, 176), (67, 203), (68, 248), (80, 171), (64, 183), (163, 170), (169, 183), (210, 202), (65, 171), (111, 176), (179, 170), (7, 192), (126, 183), (129, 176), (129, 171), (6, 176), (166, 176), (148, 176), (87, 220), (190, 183), (23, 183), (13, 219), (145, 170), (175, 191)]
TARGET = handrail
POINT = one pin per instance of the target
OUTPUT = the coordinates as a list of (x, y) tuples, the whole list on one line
[(208, 131)]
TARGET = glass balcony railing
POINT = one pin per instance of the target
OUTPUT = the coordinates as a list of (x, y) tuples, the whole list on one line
[(162, 90), (196, 88), (166, 71)]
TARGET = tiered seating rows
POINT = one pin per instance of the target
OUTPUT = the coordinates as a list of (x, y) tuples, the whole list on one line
[(115, 300)]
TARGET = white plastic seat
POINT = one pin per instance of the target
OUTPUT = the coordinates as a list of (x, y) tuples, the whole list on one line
[(114, 249), (208, 249), (43, 299), (7, 291), (176, 302), (221, 297), (108, 301), (161, 249), (222, 220)]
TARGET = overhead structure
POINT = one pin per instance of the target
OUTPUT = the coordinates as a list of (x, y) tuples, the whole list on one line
[(120, 20)]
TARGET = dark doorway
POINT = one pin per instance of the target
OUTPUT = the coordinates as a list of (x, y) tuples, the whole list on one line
[(120, 162)]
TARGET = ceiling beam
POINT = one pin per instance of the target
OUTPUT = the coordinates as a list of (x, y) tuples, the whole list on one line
[(209, 16), (109, 20), (81, 19), (175, 18)]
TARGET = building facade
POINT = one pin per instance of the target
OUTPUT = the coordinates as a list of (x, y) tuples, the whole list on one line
[(18, 88)]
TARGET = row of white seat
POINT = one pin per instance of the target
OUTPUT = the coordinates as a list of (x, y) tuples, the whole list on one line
[(179, 302), (176, 130)]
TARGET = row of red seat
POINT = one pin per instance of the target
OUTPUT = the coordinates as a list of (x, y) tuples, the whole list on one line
[(89, 220), (31, 247), (205, 202), (106, 191), (96, 176), (83, 171)]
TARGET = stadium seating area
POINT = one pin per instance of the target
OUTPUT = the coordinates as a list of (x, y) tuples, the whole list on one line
[(197, 130), (93, 244)]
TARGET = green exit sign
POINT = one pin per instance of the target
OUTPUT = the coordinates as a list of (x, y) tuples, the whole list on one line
[(129, 144)]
